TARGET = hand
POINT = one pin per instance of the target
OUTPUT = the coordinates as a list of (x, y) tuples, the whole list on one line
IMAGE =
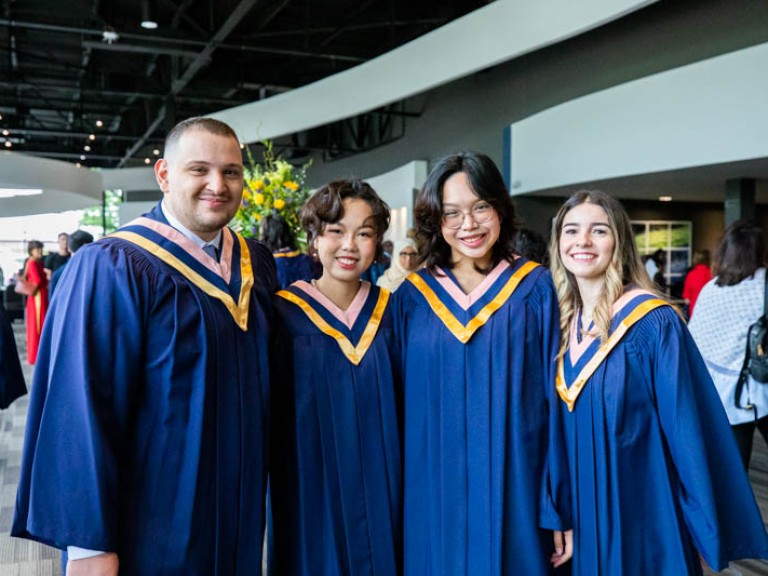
[(563, 547), (101, 565)]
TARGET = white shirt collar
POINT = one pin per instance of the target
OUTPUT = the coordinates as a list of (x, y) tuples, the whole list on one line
[(174, 222)]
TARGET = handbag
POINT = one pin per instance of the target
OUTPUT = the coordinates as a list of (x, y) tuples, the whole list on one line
[(756, 353), (23, 287)]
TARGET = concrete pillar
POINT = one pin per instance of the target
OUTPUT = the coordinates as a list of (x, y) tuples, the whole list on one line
[(740, 200)]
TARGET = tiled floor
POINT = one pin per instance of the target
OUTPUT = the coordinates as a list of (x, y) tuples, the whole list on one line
[(23, 558)]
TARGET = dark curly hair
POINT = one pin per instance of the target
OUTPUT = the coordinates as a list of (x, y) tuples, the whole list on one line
[(326, 207), (487, 183), (276, 233)]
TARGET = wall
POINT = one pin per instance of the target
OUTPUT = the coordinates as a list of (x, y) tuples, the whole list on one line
[(472, 112)]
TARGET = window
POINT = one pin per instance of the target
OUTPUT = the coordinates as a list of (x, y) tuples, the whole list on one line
[(673, 237)]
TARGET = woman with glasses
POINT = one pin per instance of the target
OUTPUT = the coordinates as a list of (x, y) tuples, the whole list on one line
[(655, 475), (405, 260), (478, 328)]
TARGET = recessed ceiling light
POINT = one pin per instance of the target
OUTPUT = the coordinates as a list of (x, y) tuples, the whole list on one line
[(82, 156), (147, 160), (156, 152), (99, 123), (78, 165), (665, 198), (8, 144), (5, 132), (92, 137), (87, 148)]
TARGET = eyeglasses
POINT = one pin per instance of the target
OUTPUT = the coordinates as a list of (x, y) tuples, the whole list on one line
[(481, 213), (408, 254)]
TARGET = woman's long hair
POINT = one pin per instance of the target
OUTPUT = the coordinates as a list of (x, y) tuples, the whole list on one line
[(624, 269), (742, 251)]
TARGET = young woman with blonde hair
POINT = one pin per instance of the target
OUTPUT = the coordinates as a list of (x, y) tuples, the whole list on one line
[(655, 476)]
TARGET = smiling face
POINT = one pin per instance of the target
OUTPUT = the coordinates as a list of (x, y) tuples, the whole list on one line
[(472, 241), (347, 248), (202, 181), (586, 243)]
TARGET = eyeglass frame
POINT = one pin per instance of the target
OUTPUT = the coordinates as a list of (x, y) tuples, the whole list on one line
[(471, 212)]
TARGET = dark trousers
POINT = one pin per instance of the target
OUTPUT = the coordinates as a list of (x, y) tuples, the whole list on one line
[(745, 433)]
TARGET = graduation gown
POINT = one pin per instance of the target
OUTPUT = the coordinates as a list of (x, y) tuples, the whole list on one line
[(335, 477), (12, 384), (148, 418), (477, 373), (655, 473), (292, 266)]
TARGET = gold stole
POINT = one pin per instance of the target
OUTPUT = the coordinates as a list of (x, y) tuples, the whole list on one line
[(353, 353), (569, 395), (464, 333), (239, 310)]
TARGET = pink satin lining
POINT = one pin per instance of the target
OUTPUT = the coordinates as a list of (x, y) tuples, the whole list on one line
[(466, 300), (576, 349), (222, 268), (347, 317)]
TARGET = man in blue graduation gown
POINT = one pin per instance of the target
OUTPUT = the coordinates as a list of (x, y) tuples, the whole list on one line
[(145, 449)]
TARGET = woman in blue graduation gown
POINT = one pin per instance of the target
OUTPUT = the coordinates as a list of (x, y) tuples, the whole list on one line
[(478, 330), (655, 474), (336, 470)]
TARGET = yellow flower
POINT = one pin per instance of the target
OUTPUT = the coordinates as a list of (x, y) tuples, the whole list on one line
[(291, 185), (258, 184), (258, 199), (279, 204), (257, 216), (246, 194)]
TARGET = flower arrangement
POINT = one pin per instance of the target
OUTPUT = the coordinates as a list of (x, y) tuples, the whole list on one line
[(276, 186)]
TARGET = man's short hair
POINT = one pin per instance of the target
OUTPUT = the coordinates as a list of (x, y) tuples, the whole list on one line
[(207, 124), (78, 239)]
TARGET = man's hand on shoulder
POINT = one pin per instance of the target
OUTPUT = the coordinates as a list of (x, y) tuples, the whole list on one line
[(101, 565)]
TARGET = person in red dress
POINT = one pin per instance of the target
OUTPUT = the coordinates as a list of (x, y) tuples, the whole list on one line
[(37, 304), (699, 275)]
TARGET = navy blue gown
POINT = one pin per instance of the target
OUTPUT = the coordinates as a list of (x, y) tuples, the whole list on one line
[(294, 265), (12, 384), (335, 475), (655, 473), (478, 388), (148, 419)]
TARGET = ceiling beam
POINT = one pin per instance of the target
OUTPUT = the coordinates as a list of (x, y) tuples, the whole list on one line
[(239, 12)]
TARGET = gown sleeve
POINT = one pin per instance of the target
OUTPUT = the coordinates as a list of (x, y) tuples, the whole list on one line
[(716, 498), (84, 386), (12, 384), (555, 496)]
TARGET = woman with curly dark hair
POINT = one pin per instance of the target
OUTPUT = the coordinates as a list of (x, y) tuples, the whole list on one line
[(478, 331), (335, 461)]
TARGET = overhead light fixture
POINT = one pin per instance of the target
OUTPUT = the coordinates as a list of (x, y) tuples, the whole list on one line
[(156, 152), (110, 36), (78, 165), (665, 198), (92, 137), (99, 123), (5, 133), (82, 156), (8, 144), (147, 21), (147, 160), (1, 116), (87, 148), (11, 192)]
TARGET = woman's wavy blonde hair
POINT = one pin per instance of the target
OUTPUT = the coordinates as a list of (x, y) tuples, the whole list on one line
[(625, 268)]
